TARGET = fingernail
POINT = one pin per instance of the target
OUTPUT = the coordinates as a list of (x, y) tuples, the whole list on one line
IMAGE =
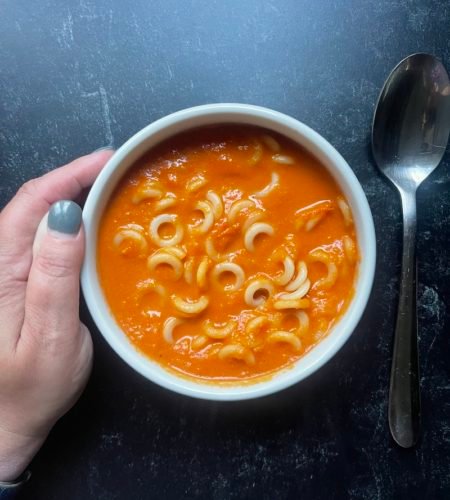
[(64, 217), (104, 148)]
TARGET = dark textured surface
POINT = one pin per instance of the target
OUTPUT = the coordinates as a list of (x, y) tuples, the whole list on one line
[(77, 75)]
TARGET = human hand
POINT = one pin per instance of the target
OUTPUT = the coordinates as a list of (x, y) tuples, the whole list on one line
[(45, 351)]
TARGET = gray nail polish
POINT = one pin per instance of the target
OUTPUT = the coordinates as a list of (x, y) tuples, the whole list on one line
[(104, 148), (64, 217)]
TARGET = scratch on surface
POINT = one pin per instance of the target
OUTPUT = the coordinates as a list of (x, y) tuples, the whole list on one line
[(106, 116), (111, 440), (89, 94), (378, 409), (417, 19), (66, 38), (106, 113), (432, 343), (273, 8), (430, 305), (430, 312), (169, 70), (87, 11), (110, 26), (375, 475)]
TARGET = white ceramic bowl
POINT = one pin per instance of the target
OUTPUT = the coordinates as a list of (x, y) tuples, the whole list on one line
[(210, 114)]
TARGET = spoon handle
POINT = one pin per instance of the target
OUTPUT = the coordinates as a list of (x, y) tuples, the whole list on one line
[(404, 392)]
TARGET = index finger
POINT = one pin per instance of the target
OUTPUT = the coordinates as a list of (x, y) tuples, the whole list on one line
[(20, 218)]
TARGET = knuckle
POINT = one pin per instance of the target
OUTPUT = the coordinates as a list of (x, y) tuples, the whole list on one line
[(36, 322), (11, 293), (55, 265), (38, 328), (45, 331), (29, 188)]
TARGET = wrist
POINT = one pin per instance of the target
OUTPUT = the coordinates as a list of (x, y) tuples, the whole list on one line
[(16, 452)]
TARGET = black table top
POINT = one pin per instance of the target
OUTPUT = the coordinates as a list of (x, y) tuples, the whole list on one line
[(78, 75)]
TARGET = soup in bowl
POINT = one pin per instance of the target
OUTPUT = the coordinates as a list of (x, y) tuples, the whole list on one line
[(230, 251)]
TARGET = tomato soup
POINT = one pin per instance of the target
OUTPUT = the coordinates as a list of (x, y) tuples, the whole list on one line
[(227, 253)]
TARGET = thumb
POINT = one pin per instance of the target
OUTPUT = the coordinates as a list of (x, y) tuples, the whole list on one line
[(52, 295)]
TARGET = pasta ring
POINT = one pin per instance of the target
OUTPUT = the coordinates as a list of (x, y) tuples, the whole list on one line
[(229, 267), (178, 252), (136, 227), (329, 280), (255, 216), (253, 231), (302, 274), (216, 203), (283, 159), (158, 221), (312, 214), (301, 291), (189, 270), (150, 189), (303, 322), (237, 351), (237, 207), (271, 143), (284, 337), (274, 182), (171, 260), (168, 201), (255, 324), (150, 285), (195, 183), (287, 274), (219, 332), (349, 249), (131, 234), (250, 291), (201, 272), (190, 308), (312, 223), (345, 210), (198, 342), (257, 154), (169, 325), (281, 304), (208, 218)]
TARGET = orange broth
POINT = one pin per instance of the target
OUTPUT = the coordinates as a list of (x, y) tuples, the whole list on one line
[(234, 162)]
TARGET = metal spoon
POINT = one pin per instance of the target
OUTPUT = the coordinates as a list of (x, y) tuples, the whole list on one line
[(409, 135)]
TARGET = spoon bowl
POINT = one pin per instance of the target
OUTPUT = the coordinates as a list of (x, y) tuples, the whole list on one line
[(411, 122), (409, 136)]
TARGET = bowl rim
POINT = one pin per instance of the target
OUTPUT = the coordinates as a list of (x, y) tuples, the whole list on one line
[(222, 113)]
